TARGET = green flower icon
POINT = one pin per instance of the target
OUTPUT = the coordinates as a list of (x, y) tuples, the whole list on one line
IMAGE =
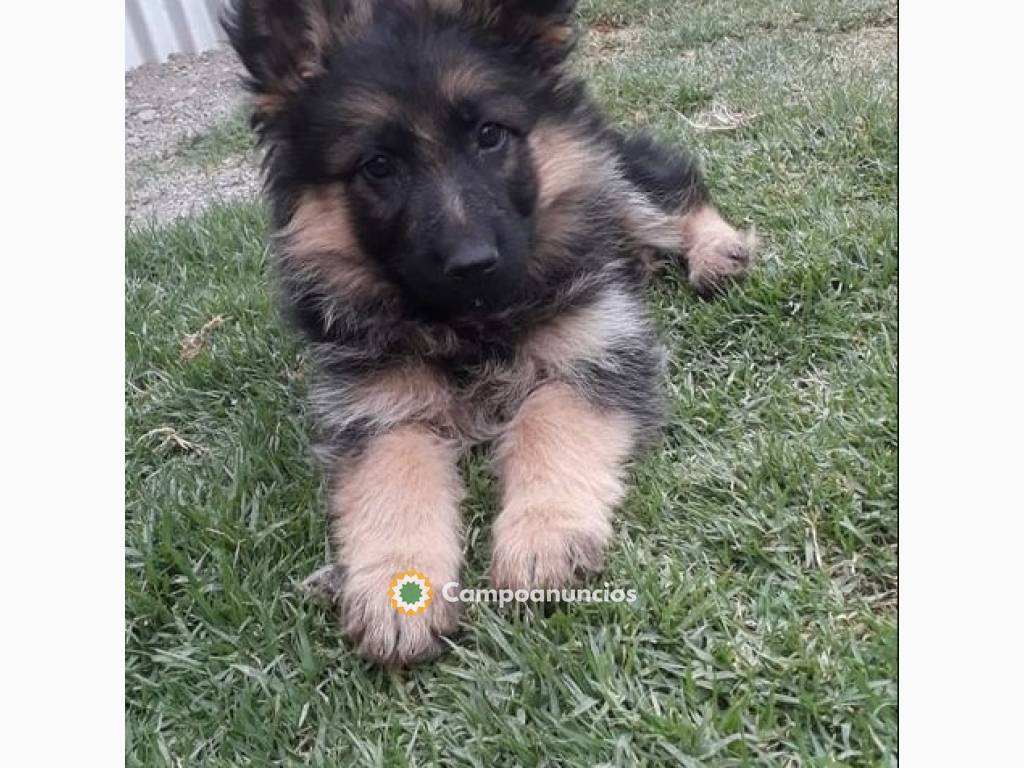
[(410, 593)]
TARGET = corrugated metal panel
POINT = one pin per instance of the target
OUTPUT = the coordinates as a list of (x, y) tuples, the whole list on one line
[(154, 29)]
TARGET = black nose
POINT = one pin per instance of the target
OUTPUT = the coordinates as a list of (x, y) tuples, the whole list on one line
[(470, 260)]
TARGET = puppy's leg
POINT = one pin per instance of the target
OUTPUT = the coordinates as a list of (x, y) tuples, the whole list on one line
[(396, 509), (561, 463), (716, 253)]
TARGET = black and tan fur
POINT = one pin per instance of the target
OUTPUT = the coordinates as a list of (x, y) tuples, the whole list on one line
[(463, 240)]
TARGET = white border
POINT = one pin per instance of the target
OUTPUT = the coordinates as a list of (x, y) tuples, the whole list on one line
[(961, 334), (63, 331), (960, 340)]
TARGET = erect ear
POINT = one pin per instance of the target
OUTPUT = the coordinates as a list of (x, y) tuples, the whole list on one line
[(546, 27), (281, 43)]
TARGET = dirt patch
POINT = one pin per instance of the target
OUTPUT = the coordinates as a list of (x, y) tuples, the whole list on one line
[(604, 42), (165, 106), (172, 187), (166, 103)]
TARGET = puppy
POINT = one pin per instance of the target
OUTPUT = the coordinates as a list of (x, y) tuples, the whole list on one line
[(463, 241)]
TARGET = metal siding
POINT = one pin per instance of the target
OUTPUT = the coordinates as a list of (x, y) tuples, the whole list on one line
[(155, 29)]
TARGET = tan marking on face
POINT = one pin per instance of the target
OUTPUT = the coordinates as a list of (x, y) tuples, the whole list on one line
[(430, 141), (565, 161), (558, 228), (396, 509), (561, 463), (371, 108), (572, 171), (464, 81), (320, 241)]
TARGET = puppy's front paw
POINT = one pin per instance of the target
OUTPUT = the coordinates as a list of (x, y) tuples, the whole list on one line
[(530, 555), (716, 253), (390, 634)]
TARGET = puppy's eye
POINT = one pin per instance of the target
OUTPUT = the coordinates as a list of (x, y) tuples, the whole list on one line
[(491, 136), (379, 167)]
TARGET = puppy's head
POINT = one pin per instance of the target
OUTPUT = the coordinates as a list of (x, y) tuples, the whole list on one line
[(397, 135)]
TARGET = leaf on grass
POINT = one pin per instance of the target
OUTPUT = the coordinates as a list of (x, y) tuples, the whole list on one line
[(195, 342), (170, 438), (720, 118)]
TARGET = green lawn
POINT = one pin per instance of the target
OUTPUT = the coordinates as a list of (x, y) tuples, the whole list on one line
[(761, 534)]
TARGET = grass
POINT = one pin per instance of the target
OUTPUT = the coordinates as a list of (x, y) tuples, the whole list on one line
[(227, 139), (761, 534)]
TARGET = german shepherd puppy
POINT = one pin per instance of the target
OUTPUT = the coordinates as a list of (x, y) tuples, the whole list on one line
[(463, 239)]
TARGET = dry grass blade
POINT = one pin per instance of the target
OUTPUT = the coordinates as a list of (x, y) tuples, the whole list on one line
[(171, 438), (720, 118), (194, 343)]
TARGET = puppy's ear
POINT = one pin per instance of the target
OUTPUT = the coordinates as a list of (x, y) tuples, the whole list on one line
[(546, 27), (281, 43)]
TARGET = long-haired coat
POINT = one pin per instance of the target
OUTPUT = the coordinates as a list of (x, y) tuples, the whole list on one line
[(463, 240)]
